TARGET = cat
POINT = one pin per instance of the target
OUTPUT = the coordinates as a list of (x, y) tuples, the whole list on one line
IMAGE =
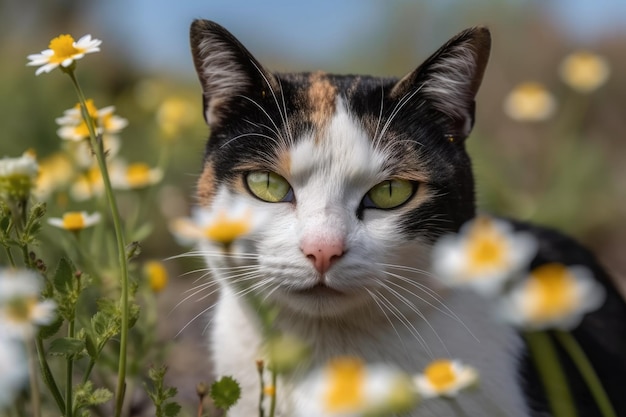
[(355, 177)]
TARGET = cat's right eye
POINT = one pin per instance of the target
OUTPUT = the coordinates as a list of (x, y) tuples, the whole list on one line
[(269, 186)]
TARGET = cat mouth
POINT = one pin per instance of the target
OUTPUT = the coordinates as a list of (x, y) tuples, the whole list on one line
[(320, 290)]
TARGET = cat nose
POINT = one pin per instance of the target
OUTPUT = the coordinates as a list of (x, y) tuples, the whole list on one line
[(322, 253)]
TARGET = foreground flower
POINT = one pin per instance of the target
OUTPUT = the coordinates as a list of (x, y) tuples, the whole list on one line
[(553, 296), (21, 310), (13, 371), (346, 386), (584, 71), (75, 221), (156, 275), (74, 128), (483, 256), (133, 176), (445, 378), (529, 101), (63, 51), (18, 176)]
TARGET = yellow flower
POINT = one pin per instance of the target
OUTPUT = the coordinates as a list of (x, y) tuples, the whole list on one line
[(584, 71), (75, 221), (63, 51), (484, 255), (88, 185), (175, 114), (529, 101), (156, 274), (74, 128), (55, 171), (553, 296), (133, 176), (18, 176), (445, 378)]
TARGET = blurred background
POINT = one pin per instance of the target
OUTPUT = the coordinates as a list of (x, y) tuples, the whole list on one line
[(545, 149)]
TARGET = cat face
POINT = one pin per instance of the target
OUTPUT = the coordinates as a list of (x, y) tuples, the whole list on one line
[(352, 176)]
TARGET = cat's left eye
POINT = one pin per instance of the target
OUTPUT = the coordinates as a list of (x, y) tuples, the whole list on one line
[(389, 194), (269, 186)]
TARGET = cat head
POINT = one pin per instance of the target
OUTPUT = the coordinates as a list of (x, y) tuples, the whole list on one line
[(355, 176)]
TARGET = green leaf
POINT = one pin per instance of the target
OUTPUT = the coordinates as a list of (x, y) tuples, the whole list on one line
[(64, 279), (51, 329), (171, 409), (225, 392), (66, 346)]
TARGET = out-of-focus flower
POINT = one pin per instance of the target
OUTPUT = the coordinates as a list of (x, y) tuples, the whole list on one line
[(55, 171), (222, 225), (156, 274), (21, 309), (75, 221), (445, 378), (529, 101), (74, 128), (174, 115), (286, 352), (346, 386), (133, 176), (553, 296), (84, 156), (87, 185), (63, 51), (483, 256), (18, 176), (13, 371), (584, 71)]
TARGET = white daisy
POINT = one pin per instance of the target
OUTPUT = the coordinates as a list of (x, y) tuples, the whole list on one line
[(18, 176), (75, 221), (483, 256), (445, 378), (13, 371), (63, 51), (585, 71), (133, 176), (74, 128), (530, 101), (553, 296)]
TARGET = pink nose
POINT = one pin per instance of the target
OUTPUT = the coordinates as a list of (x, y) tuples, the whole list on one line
[(322, 252)]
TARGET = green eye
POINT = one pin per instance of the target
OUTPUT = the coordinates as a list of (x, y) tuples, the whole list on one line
[(389, 194), (268, 186)]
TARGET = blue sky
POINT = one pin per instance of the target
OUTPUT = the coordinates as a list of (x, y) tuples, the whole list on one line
[(314, 32)]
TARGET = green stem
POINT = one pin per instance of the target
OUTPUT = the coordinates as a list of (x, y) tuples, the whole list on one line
[(273, 397), (11, 258), (586, 370), (547, 364), (35, 397), (121, 246), (260, 368), (69, 371), (48, 378)]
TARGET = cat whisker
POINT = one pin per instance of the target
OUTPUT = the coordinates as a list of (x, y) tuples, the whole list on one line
[(244, 135), (396, 110), (382, 310)]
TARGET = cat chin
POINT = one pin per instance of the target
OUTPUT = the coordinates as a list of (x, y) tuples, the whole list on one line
[(321, 301)]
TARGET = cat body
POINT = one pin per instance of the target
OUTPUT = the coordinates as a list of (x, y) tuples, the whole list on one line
[(352, 178)]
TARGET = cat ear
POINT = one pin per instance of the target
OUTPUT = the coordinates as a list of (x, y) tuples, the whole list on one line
[(226, 69), (450, 79)]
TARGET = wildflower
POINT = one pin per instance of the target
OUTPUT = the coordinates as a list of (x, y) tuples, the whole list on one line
[(584, 71), (529, 101), (87, 185), (63, 50), (156, 274), (74, 127), (13, 371), (173, 115), (483, 256), (553, 296), (83, 154), (133, 176), (445, 378), (220, 225), (75, 221), (55, 171), (346, 386), (21, 310), (18, 176)]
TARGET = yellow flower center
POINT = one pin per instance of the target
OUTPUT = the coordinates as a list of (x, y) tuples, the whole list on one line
[(63, 48), (138, 174), (487, 248), (440, 374), (73, 221), (345, 388), (551, 292), (20, 309), (269, 390), (225, 229), (157, 275)]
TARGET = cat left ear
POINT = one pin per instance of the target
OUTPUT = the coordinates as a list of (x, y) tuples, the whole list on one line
[(450, 78)]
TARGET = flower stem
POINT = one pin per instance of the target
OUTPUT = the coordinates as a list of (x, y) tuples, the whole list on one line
[(48, 378), (96, 143), (10, 256), (273, 397), (585, 368), (551, 374), (69, 371), (35, 397)]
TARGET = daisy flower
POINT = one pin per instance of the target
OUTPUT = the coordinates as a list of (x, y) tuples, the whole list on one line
[(346, 386), (21, 309), (87, 185), (75, 221), (63, 50), (530, 101), (55, 171), (156, 274), (553, 296), (74, 128), (133, 176), (483, 256), (584, 71), (13, 371), (445, 378), (18, 176), (174, 115)]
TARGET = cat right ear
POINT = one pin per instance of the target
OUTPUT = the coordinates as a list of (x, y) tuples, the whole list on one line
[(226, 69)]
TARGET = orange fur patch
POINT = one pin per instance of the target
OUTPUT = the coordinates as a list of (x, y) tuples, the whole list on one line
[(321, 96), (206, 184)]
